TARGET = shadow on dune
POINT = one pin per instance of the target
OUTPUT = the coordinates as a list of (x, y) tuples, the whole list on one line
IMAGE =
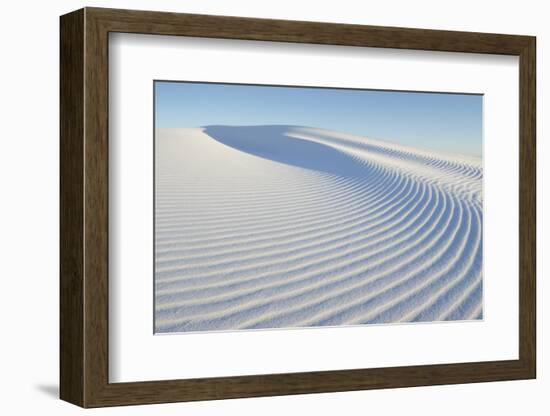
[(273, 143)]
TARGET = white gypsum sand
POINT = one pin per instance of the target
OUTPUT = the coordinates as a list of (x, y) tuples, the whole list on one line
[(284, 226)]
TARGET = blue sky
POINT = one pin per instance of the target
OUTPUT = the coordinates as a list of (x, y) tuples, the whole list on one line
[(449, 122)]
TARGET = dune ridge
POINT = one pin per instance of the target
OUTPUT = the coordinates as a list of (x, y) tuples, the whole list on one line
[(289, 226)]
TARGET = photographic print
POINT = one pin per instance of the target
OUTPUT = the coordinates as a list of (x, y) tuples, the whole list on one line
[(294, 207)]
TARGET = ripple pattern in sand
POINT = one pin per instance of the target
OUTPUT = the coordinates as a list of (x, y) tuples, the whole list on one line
[(282, 226)]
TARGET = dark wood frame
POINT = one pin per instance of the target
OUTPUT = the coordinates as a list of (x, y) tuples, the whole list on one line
[(84, 207)]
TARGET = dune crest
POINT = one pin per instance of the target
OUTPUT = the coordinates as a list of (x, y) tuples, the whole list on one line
[(289, 226)]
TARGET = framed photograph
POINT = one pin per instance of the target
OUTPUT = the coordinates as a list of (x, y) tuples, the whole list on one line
[(254, 207)]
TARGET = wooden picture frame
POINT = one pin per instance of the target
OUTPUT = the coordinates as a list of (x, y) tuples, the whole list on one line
[(84, 207)]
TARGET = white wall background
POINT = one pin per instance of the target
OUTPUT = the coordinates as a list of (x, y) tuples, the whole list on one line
[(29, 206)]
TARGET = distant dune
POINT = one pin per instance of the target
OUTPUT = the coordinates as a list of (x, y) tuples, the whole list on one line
[(285, 226)]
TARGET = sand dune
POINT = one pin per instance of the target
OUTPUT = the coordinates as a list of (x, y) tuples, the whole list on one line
[(284, 226)]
